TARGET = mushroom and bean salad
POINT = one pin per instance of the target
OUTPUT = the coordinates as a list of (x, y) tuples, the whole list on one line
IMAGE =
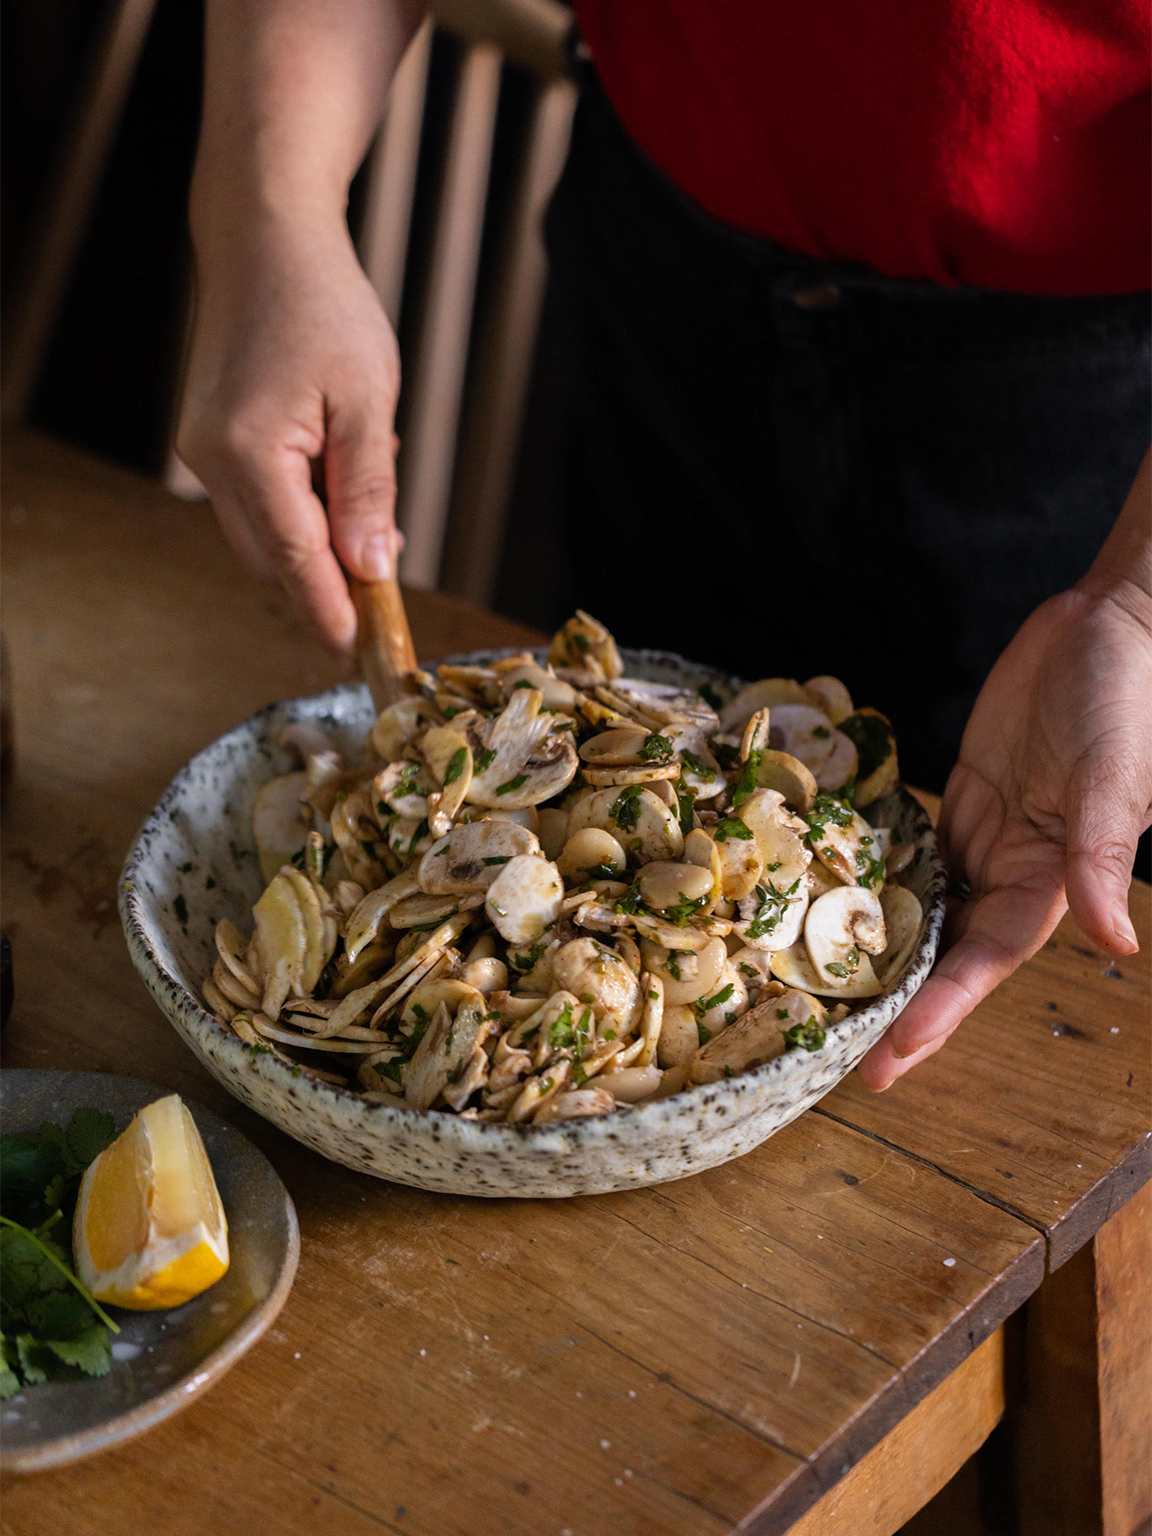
[(552, 891)]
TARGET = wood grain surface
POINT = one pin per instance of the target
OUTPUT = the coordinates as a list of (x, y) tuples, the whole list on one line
[(716, 1352)]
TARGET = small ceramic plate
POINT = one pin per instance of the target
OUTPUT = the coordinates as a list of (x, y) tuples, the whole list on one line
[(161, 1360)]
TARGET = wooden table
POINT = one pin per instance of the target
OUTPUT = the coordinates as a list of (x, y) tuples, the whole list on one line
[(809, 1338)]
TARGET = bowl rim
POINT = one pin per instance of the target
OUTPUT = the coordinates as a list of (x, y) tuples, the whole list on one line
[(444, 1124)]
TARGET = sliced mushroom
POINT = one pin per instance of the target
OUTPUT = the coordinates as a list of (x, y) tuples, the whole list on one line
[(444, 1052), (524, 898), (230, 946), (524, 760), (596, 975), (772, 916), (643, 774), (584, 642), (420, 911), (688, 937), (557, 693), (553, 833), (849, 851), (472, 855), (794, 969), (666, 885), (615, 748), (769, 691), (679, 1038), (842, 764), (878, 772), (779, 836), (424, 999), (720, 1009), (575, 1104), (840, 929), (699, 849), (686, 975), (803, 731), (448, 754), (281, 943), (320, 938), (486, 974), (632, 1084), (741, 863), (355, 830), (651, 1017), (370, 964), (903, 917), (751, 1041), (538, 1090), (830, 695), (591, 850), (638, 819), (789, 776), (402, 789), (279, 827), (756, 734), (364, 923), (397, 725)]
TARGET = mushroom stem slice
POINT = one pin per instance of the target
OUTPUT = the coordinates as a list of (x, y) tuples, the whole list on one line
[(584, 642), (448, 754), (364, 923), (840, 929)]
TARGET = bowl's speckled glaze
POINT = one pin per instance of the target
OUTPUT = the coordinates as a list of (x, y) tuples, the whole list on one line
[(195, 862)]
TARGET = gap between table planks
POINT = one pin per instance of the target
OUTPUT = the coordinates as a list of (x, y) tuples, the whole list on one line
[(766, 1353)]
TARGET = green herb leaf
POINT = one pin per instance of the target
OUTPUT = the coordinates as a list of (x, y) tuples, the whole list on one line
[(484, 759), (698, 766), (808, 1036), (731, 826), (455, 766), (656, 749), (749, 776), (516, 783), (625, 811)]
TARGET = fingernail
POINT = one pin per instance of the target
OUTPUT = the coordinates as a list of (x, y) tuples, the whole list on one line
[(376, 558), (1123, 929)]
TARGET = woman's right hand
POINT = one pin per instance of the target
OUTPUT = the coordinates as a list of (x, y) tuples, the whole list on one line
[(294, 363)]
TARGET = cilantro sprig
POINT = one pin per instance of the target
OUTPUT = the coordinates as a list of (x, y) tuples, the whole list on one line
[(50, 1324)]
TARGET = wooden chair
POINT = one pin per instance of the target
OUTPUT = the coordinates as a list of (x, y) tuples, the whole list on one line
[(441, 435)]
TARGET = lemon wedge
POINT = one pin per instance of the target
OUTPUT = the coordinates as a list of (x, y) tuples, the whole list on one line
[(150, 1230)]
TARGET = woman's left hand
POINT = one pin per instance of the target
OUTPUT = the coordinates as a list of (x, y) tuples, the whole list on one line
[(1042, 812)]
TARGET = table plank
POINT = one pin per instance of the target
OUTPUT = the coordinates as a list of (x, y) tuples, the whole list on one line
[(1058, 1129), (773, 1317)]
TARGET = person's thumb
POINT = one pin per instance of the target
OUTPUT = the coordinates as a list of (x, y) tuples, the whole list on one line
[(1108, 810), (360, 477)]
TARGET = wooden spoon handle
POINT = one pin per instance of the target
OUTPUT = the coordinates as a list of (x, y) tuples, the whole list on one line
[(384, 641)]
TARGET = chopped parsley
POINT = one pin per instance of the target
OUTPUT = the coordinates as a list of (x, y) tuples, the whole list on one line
[(808, 1036), (525, 960), (455, 766), (631, 902), (703, 1033), (771, 905), (517, 783), (681, 912), (501, 859), (822, 733), (731, 826), (827, 811), (656, 749), (871, 735), (485, 759), (749, 776), (625, 810), (672, 965), (686, 806), (706, 1004), (870, 872), (698, 766)]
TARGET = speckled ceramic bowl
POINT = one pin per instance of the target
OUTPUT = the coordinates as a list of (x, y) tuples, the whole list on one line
[(195, 862)]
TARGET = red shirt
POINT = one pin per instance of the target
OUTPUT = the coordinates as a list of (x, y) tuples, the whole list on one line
[(998, 142)]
